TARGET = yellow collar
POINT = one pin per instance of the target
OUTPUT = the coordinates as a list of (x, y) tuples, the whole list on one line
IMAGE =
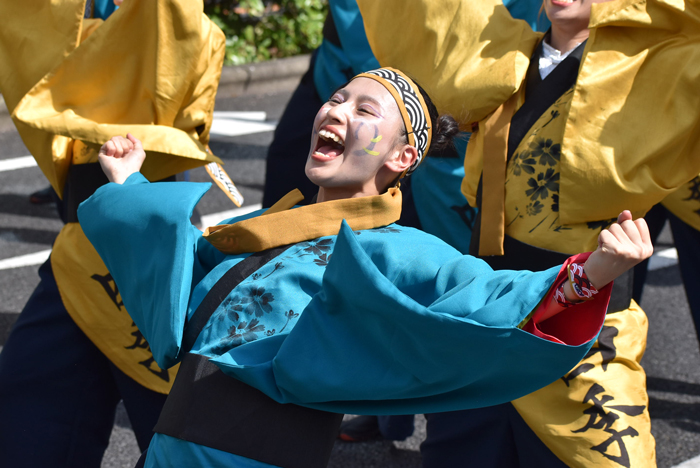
[(280, 226)]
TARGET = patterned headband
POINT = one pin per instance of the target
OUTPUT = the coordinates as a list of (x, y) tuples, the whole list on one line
[(414, 111)]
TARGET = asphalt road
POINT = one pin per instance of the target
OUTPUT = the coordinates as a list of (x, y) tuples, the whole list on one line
[(672, 360)]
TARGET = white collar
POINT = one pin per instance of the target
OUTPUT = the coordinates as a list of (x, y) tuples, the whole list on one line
[(551, 57)]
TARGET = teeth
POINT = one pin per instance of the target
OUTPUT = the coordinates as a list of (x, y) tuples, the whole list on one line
[(326, 135)]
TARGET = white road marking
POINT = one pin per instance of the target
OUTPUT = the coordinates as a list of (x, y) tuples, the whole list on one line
[(663, 258), (692, 463), (214, 218), (257, 116), (17, 163), (227, 128), (32, 259)]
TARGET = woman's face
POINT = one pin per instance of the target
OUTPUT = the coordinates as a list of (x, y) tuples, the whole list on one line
[(570, 13), (355, 142)]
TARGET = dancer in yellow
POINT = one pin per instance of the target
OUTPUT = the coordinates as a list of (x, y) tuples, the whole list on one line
[(600, 113), (70, 84)]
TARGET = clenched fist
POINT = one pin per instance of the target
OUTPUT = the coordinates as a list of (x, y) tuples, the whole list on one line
[(120, 157), (620, 247)]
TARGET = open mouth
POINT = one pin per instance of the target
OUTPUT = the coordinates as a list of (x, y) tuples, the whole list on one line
[(329, 145), (562, 2)]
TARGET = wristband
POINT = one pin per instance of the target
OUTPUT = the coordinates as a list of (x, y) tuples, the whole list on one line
[(561, 298), (580, 283)]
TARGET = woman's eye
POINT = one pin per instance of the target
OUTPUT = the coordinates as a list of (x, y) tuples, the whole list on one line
[(335, 100), (365, 111)]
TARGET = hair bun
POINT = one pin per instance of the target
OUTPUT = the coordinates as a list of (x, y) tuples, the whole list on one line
[(446, 128)]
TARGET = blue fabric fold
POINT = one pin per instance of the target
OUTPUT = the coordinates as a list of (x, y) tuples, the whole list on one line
[(150, 254), (362, 346)]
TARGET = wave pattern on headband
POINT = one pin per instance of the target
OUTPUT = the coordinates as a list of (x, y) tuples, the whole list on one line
[(417, 114)]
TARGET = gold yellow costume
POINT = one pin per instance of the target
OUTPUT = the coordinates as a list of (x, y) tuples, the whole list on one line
[(625, 136), (685, 203), (151, 69)]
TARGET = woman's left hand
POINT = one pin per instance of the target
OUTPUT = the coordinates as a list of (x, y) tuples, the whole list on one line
[(620, 247)]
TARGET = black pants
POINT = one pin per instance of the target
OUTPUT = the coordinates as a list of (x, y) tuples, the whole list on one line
[(58, 392)]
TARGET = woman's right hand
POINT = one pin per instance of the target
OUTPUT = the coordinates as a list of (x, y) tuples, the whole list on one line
[(620, 247), (120, 157)]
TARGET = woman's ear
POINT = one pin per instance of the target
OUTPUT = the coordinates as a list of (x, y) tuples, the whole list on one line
[(403, 159)]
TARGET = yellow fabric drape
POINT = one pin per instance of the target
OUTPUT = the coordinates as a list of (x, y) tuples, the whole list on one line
[(633, 130), (282, 226), (495, 143), (685, 203), (466, 75), (151, 69), (92, 299), (556, 413)]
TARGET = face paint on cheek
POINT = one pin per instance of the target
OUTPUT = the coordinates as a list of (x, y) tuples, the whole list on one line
[(369, 149), (357, 132)]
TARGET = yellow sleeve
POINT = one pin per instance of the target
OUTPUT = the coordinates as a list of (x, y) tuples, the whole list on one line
[(633, 129), (469, 55), (152, 69)]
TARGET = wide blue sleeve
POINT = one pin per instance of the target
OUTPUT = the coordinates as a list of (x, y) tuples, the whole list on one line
[(336, 65), (363, 346), (144, 235), (351, 32)]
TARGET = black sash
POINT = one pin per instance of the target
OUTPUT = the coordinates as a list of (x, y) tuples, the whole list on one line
[(209, 408), (221, 289)]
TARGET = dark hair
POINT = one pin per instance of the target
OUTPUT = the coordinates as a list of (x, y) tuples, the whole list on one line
[(444, 129)]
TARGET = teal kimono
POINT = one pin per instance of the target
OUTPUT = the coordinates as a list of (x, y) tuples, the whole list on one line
[(387, 320)]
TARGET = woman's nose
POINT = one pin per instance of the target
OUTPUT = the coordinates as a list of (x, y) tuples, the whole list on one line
[(338, 112)]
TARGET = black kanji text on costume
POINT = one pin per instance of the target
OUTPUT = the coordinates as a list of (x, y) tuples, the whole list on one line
[(605, 345), (603, 417), (150, 363), (600, 416), (694, 189), (110, 287), (694, 192), (465, 213)]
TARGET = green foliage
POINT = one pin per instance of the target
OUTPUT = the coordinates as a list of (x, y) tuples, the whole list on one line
[(258, 30)]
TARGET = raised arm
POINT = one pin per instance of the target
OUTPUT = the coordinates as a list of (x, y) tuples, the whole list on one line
[(143, 233), (620, 247)]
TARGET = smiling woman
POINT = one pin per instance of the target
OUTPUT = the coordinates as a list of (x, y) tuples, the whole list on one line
[(285, 318), (350, 156)]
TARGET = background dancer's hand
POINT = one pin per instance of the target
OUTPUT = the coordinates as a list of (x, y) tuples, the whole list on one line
[(620, 247), (120, 157)]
